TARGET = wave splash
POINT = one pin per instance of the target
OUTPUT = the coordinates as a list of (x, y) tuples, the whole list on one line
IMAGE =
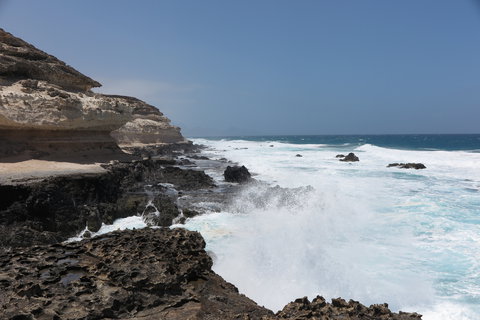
[(360, 231)]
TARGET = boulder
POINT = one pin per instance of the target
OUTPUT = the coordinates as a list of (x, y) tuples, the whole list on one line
[(237, 174), (351, 157), (298, 155)]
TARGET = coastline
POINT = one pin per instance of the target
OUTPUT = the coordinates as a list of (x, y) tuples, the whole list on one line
[(40, 287)]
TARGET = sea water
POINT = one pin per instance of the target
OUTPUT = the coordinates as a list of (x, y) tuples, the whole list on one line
[(363, 231)]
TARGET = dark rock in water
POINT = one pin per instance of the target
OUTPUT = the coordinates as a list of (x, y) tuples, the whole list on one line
[(163, 213), (351, 157), (271, 146), (339, 309), (140, 274), (408, 165), (237, 174), (298, 155), (340, 156), (185, 162), (189, 213), (197, 157)]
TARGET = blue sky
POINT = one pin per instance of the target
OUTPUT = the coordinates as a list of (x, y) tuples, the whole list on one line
[(274, 67)]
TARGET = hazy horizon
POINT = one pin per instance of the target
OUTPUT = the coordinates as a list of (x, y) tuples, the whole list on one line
[(265, 68)]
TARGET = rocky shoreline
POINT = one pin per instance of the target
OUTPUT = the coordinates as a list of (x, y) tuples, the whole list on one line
[(107, 157)]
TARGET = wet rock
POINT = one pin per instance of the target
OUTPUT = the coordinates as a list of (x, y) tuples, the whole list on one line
[(415, 166), (298, 155), (137, 274), (237, 174), (351, 157), (189, 213), (161, 212), (340, 156), (197, 157), (58, 208)]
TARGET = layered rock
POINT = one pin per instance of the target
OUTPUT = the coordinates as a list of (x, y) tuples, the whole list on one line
[(21, 60), (47, 110)]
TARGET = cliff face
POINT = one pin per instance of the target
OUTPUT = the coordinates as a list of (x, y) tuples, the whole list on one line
[(48, 110)]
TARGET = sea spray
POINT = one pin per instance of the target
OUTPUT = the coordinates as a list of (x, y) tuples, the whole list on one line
[(365, 231)]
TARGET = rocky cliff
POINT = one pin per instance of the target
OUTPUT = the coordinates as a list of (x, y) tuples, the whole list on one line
[(48, 110)]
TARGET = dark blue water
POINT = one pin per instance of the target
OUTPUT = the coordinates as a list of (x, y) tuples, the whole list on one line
[(448, 142)]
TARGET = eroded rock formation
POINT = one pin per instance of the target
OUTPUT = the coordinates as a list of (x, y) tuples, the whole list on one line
[(143, 274), (57, 208), (47, 110)]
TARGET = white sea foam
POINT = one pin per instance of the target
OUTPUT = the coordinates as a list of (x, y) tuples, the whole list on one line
[(367, 232)]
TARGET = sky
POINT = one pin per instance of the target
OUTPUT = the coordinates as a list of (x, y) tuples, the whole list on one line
[(273, 67)]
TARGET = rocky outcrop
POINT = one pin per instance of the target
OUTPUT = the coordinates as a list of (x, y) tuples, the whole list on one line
[(237, 174), (48, 111), (141, 274), (21, 60), (319, 309), (58, 208), (148, 127), (415, 166), (351, 157)]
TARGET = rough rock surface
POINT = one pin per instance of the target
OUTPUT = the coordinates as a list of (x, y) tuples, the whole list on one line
[(19, 59), (47, 109), (140, 274), (237, 174), (143, 274), (57, 208), (351, 157), (415, 166), (319, 309)]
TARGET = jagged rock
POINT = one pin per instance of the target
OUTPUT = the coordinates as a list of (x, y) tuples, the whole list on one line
[(319, 309), (141, 274), (351, 157), (189, 213), (237, 174), (58, 208), (162, 212), (415, 166)]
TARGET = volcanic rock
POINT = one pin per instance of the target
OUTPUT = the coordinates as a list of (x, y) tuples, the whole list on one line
[(415, 166), (351, 157), (57, 208), (237, 174), (319, 309), (140, 274)]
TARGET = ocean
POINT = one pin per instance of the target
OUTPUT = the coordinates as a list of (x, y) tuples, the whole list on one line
[(359, 230), (363, 231)]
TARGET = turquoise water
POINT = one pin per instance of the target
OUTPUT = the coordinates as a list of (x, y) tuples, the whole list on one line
[(367, 232)]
